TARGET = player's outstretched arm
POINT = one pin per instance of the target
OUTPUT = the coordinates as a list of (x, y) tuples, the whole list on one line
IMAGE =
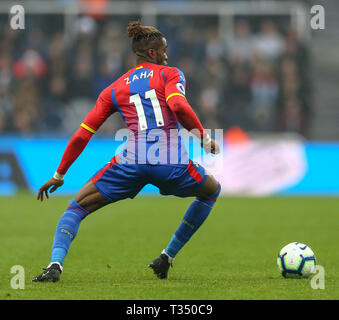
[(92, 122)]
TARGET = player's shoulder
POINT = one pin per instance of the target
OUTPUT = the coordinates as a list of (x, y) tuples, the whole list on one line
[(174, 72), (173, 69), (162, 68)]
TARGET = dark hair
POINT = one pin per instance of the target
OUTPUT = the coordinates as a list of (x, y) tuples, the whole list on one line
[(143, 37)]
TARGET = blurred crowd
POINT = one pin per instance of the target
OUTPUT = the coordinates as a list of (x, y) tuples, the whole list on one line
[(257, 79)]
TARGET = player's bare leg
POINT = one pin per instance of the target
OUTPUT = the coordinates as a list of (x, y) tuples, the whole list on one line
[(90, 198), (209, 188)]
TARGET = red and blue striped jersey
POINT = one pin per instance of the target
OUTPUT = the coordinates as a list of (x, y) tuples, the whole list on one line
[(141, 96)]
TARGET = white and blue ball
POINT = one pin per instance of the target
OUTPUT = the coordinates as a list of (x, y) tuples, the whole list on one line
[(296, 260)]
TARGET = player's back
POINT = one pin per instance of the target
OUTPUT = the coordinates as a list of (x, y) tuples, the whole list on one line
[(140, 96)]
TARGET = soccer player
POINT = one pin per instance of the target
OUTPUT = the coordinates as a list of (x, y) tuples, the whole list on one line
[(150, 96)]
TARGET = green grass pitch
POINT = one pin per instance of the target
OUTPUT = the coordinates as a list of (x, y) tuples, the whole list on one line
[(232, 256)]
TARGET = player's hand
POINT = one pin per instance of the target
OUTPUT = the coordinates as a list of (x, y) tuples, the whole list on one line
[(212, 147), (54, 183)]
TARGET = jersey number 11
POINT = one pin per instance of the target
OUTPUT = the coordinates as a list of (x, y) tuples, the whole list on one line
[(150, 94)]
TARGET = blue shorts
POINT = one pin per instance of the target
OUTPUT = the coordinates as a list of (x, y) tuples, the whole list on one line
[(120, 181)]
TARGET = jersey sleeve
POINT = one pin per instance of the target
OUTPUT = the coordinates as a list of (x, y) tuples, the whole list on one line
[(175, 83), (102, 110)]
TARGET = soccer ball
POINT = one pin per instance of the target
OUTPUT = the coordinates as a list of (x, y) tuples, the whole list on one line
[(296, 260)]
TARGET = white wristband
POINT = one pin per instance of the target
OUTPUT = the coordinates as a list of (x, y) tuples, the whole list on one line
[(58, 176), (206, 140)]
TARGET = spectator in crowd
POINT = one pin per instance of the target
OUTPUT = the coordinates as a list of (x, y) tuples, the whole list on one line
[(208, 107), (295, 86), (6, 97), (264, 91), (54, 103), (238, 97), (240, 46), (26, 109), (268, 43)]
